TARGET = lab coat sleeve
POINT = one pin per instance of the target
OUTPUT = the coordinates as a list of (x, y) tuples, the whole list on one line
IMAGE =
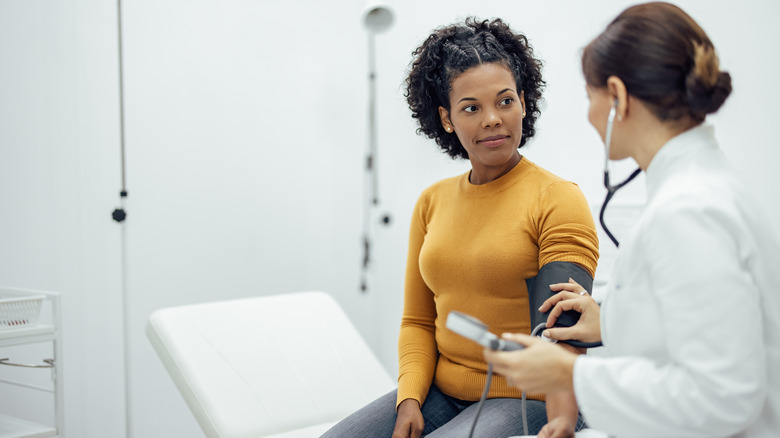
[(711, 380)]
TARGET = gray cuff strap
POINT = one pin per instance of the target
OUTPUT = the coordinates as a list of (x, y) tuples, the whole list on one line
[(539, 290)]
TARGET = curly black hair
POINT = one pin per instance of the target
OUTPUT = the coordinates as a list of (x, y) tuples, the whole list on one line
[(451, 50)]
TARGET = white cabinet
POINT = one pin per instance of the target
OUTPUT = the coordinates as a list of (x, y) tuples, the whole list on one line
[(30, 317)]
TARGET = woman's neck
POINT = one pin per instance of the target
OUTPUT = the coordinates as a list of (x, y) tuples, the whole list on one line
[(483, 175)]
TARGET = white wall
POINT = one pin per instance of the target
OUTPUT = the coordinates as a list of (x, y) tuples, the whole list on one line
[(58, 186), (246, 135)]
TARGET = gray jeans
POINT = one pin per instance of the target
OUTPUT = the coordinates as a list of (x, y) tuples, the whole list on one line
[(446, 416)]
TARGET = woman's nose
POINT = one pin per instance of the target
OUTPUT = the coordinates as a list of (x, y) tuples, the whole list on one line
[(491, 119)]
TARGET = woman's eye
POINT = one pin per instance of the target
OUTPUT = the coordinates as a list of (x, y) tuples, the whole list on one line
[(507, 101), (470, 108)]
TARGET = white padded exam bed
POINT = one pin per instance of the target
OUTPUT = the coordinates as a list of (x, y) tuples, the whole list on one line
[(283, 366)]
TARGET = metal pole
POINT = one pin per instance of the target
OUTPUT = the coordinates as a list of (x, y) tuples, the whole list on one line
[(370, 180), (372, 146), (119, 215)]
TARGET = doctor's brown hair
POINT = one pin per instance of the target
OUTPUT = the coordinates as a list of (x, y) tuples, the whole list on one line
[(663, 57)]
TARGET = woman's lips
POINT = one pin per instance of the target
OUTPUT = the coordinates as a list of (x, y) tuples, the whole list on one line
[(494, 141)]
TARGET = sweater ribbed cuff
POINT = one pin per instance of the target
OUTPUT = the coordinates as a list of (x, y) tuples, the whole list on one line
[(414, 386)]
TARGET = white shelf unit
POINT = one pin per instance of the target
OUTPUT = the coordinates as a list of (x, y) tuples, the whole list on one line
[(35, 332)]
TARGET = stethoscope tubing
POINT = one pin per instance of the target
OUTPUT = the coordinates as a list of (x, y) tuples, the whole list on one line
[(610, 188)]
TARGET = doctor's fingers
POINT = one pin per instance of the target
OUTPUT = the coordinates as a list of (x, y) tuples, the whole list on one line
[(510, 364), (579, 304), (565, 299), (587, 328), (555, 299), (571, 286), (500, 359), (502, 362), (540, 367), (573, 333)]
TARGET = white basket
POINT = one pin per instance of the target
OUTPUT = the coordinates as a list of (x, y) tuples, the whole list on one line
[(18, 309)]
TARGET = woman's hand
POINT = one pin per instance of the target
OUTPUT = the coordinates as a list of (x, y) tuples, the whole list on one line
[(572, 296), (409, 422), (558, 427), (540, 367)]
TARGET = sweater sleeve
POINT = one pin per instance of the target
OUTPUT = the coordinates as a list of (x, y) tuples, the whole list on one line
[(417, 351), (567, 232)]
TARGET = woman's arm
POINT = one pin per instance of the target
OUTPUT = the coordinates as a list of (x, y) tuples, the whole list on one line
[(417, 350), (565, 227)]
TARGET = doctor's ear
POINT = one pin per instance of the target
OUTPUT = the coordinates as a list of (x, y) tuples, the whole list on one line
[(617, 89)]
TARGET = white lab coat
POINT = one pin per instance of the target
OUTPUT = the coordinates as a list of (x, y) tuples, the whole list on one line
[(690, 316)]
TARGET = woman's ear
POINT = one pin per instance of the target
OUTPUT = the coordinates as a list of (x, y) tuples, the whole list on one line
[(617, 91), (444, 115), (522, 101)]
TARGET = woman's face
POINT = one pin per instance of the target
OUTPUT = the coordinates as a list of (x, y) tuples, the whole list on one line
[(486, 113)]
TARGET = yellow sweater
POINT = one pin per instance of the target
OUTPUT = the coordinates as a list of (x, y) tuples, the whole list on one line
[(471, 247)]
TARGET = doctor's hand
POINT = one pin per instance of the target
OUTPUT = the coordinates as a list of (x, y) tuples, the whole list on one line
[(541, 367), (572, 296), (558, 427), (409, 421)]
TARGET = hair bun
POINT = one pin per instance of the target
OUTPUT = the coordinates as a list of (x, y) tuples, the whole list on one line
[(706, 86)]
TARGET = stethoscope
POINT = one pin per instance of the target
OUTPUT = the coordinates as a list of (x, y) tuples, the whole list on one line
[(610, 188)]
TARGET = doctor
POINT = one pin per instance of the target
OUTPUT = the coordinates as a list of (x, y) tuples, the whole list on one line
[(690, 319)]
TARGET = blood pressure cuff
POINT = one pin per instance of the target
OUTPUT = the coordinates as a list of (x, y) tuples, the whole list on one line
[(539, 290)]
